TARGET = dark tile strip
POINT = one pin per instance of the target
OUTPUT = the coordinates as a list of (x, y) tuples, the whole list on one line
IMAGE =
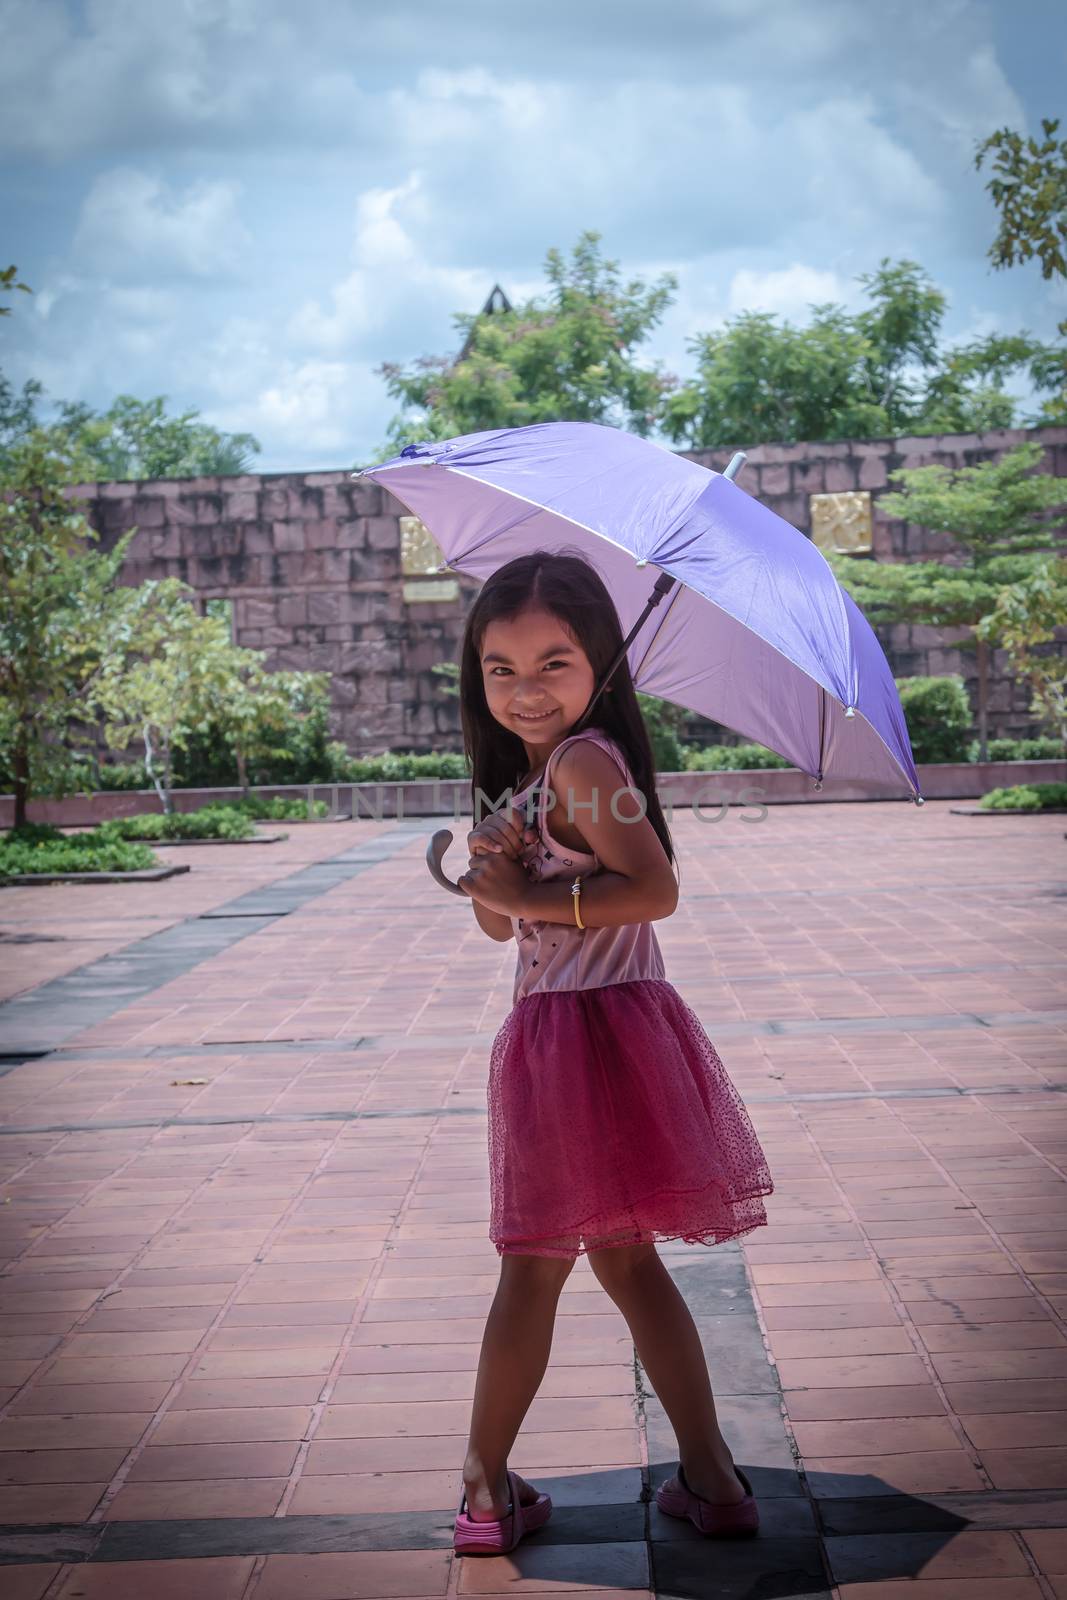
[(274, 1118), (42, 1018), (930, 1022), (784, 1516)]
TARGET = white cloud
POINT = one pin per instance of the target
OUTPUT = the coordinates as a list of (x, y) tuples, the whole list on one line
[(270, 201), (787, 292), (304, 396), (390, 271), (132, 225), (319, 414)]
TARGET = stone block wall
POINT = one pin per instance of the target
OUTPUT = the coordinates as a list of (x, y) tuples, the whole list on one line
[(311, 562)]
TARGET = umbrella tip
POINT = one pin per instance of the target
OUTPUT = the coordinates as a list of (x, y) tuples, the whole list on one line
[(850, 711), (919, 801)]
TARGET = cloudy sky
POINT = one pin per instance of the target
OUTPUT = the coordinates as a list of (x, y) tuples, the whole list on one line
[(248, 205)]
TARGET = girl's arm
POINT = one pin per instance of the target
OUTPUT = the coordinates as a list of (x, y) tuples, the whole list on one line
[(494, 923), (638, 882), (510, 835)]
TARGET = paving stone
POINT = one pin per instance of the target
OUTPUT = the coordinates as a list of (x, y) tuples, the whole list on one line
[(222, 1578), (271, 1287), (734, 1569), (865, 1558)]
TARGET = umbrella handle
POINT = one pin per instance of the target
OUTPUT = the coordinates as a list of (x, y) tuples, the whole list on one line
[(434, 855)]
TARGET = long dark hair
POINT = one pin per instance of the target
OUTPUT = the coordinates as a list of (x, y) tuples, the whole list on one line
[(570, 587)]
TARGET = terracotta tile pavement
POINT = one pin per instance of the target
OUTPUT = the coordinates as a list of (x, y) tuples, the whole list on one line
[(244, 1225)]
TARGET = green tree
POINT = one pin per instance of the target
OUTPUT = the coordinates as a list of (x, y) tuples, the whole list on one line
[(254, 711), (62, 613), (1023, 621), (169, 686), (131, 439), (568, 355), (1029, 189), (18, 413), (137, 439), (996, 514), (8, 283), (873, 373), (966, 393)]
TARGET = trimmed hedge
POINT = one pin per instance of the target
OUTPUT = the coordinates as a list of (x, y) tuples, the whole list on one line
[(732, 758), (1041, 749), (210, 822), (279, 808), (938, 715), (1026, 797)]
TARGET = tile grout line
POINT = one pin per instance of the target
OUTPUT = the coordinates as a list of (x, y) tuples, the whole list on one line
[(899, 1305), (385, 1113), (787, 1424), (112, 1287), (119, 1478), (1056, 1317), (329, 1383)]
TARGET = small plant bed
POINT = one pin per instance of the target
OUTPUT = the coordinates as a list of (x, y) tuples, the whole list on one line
[(284, 808), (1021, 798), (39, 853), (210, 822), (214, 824)]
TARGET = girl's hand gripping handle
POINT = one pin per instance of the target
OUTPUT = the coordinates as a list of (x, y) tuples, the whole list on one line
[(501, 833)]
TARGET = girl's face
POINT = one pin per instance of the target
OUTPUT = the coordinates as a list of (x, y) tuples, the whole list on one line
[(537, 679)]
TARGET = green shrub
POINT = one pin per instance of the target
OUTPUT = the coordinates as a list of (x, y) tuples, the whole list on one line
[(733, 758), (1042, 748), (33, 833), (402, 767), (664, 722), (114, 777), (279, 808), (938, 715), (28, 850), (209, 822), (1026, 797)]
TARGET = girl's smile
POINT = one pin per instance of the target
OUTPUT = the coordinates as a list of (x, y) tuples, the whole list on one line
[(537, 678)]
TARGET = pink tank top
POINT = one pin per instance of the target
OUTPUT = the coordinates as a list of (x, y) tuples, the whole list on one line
[(555, 955)]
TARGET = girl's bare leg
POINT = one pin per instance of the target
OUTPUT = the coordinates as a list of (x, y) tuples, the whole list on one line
[(515, 1350), (668, 1344)]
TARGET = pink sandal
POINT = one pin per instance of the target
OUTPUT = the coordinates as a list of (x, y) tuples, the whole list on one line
[(716, 1519), (500, 1534)]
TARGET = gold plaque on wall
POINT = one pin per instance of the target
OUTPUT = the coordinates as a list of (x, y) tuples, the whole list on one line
[(841, 523), (422, 589), (420, 554)]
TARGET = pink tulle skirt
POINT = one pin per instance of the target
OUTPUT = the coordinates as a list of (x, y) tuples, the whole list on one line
[(612, 1121)]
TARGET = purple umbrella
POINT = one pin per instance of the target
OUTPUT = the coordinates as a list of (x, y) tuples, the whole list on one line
[(756, 632)]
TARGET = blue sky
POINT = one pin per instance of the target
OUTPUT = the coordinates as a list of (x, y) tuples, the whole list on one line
[(248, 205)]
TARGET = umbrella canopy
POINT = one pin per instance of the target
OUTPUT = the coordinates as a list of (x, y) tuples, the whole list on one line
[(756, 633)]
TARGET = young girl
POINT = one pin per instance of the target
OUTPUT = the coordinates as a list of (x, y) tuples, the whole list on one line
[(612, 1121)]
